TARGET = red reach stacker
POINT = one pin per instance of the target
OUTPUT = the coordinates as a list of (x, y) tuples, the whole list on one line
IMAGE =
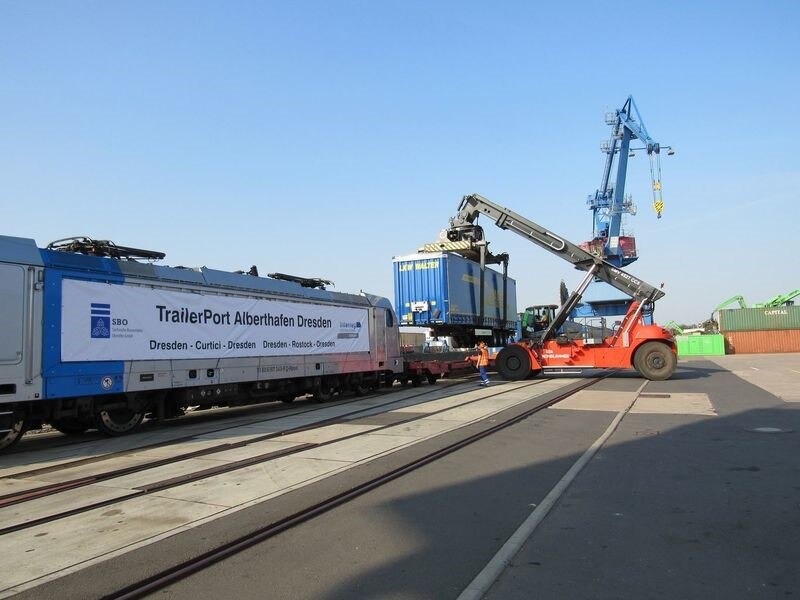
[(650, 349)]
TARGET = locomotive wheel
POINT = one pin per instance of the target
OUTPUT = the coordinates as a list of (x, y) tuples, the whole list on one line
[(432, 379), (655, 361), (118, 421), (513, 363), (12, 426), (70, 426), (323, 394), (359, 386), (324, 391), (416, 380)]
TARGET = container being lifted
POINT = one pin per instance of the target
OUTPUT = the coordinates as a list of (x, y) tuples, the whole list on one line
[(650, 349), (448, 288)]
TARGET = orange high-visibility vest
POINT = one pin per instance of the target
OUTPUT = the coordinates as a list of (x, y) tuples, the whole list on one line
[(483, 359)]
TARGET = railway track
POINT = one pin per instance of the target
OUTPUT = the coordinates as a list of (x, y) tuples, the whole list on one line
[(23, 503), (183, 570), (56, 440), (29, 495), (229, 425)]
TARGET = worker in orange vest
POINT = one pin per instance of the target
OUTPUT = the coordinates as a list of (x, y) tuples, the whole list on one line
[(483, 362)]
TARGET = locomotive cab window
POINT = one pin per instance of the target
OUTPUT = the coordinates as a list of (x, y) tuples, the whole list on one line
[(389, 319)]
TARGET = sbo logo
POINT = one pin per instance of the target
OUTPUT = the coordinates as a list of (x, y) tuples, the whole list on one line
[(100, 320)]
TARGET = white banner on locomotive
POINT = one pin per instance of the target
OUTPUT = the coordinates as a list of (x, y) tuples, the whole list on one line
[(102, 321)]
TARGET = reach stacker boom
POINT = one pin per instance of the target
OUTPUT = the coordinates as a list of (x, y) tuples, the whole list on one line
[(650, 349)]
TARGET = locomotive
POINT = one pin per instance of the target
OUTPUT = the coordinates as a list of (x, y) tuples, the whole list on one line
[(93, 334)]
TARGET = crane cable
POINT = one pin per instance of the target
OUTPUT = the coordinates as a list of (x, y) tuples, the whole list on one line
[(655, 176)]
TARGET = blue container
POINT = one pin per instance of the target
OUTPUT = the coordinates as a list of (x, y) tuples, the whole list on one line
[(442, 288)]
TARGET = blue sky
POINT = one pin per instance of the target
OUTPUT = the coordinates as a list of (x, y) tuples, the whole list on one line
[(324, 138)]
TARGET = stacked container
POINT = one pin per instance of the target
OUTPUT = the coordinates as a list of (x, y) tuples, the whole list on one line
[(701, 345), (761, 330)]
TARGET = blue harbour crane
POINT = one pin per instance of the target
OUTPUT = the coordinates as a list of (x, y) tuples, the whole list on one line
[(609, 204)]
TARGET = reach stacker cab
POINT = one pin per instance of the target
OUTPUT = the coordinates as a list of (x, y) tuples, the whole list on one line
[(535, 320)]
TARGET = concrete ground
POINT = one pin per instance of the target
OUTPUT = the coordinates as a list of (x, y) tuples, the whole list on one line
[(681, 506), (695, 494)]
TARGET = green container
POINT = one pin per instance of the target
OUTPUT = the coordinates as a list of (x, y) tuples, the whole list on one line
[(759, 319), (701, 345)]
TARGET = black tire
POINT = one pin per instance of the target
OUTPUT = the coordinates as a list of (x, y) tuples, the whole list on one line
[(119, 421), (655, 361), (513, 363), (432, 379), (70, 426), (15, 424)]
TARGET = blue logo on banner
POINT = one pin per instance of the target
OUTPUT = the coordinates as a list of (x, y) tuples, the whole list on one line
[(101, 320)]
